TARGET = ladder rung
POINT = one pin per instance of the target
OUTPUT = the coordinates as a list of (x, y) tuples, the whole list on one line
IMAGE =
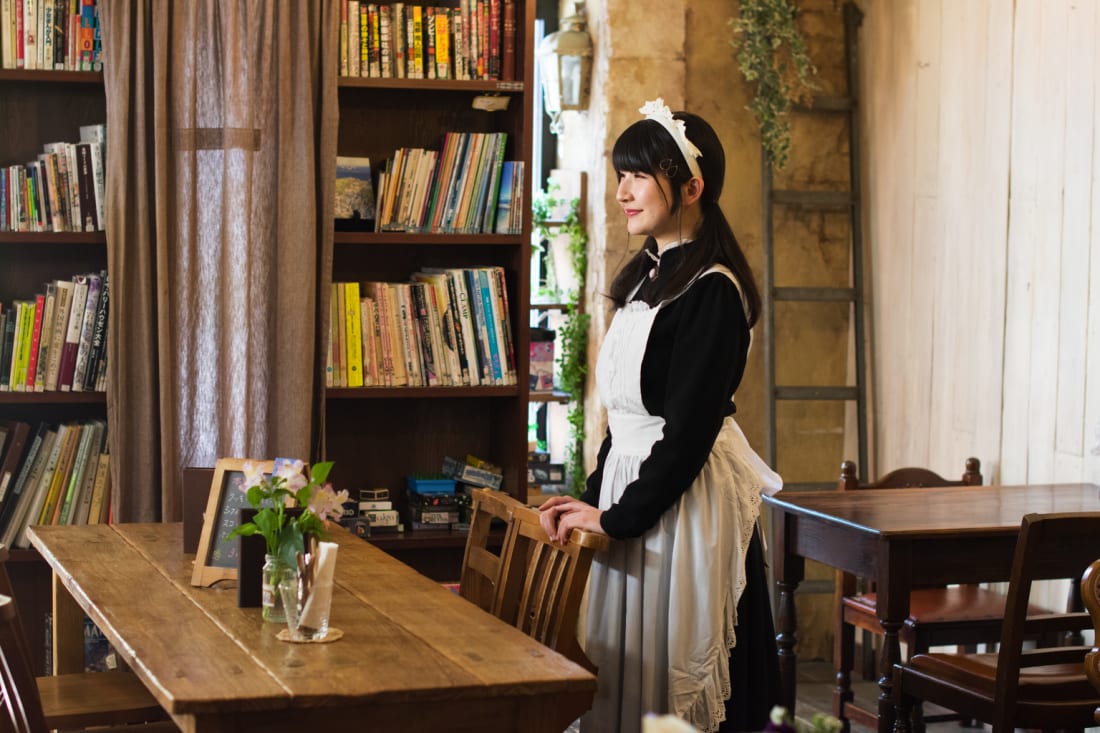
[(826, 103), (836, 200), (810, 486), (816, 393), (815, 294)]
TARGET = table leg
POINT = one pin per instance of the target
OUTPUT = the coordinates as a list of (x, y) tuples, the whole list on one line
[(785, 640), (68, 631), (891, 654)]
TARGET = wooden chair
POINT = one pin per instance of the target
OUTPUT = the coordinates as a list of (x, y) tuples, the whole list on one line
[(1043, 687), (79, 700), (542, 584), (1090, 596), (964, 615), (481, 566)]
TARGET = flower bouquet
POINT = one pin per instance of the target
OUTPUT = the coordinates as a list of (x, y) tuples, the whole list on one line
[(780, 721), (287, 486), (288, 508)]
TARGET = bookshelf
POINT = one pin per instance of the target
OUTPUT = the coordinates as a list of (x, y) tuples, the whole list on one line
[(380, 435), (38, 107)]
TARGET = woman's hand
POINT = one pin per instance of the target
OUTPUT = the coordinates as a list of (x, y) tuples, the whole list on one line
[(560, 515)]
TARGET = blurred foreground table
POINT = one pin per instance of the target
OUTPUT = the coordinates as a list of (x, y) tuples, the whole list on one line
[(414, 656)]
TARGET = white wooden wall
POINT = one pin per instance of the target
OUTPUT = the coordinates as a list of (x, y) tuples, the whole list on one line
[(981, 125)]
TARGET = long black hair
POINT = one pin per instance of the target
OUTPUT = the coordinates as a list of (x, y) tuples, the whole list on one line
[(647, 147)]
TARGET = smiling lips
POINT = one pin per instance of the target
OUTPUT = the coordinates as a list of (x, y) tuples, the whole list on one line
[(632, 212)]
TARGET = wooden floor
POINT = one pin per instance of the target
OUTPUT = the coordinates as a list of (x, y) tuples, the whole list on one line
[(815, 695)]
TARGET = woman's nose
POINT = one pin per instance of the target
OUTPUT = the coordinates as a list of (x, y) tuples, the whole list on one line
[(622, 193)]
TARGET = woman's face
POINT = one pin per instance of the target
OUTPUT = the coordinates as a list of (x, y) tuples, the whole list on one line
[(645, 201)]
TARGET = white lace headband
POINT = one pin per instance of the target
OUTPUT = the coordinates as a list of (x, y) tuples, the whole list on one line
[(658, 111)]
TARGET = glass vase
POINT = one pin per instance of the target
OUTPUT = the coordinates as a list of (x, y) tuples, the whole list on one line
[(275, 571)]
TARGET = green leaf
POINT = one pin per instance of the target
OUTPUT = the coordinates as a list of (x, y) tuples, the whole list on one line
[(318, 472)]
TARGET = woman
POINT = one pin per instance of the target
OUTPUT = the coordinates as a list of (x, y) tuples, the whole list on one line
[(678, 614)]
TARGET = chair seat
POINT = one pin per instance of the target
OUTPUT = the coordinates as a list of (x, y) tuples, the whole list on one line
[(978, 672), (929, 606), (100, 698)]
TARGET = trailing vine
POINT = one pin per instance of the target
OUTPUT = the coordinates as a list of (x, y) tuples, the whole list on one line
[(772, 53), (573, 333)]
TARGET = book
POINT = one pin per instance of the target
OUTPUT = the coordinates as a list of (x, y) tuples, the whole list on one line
[(483, 306), (7, 348), (87, 327), (504, 322), (82, 501), (420, 322), (62, 308), (45, 338), (503, 215), (72, 333), (36, 336), (69, 495), (24, 324), (86, 186), (97, 512), (370, 360), (354, 190), (99, 335), (34, 489), (16, 444), (14, 508), (51, 503), (353, 334)]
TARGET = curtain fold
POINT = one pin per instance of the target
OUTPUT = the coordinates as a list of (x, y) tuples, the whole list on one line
[(221, 139)]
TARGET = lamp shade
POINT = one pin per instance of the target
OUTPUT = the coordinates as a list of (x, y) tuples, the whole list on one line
[(565, 67)]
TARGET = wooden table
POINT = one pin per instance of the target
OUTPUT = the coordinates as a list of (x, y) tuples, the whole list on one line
[(414, 656), (903, 538)]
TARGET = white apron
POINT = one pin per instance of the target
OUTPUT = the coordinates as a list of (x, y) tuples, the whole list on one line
[(662, 607)]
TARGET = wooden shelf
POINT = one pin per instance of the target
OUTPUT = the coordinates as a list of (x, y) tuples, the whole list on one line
[(54, 238), (46, 76), (426, 238), (52, 398), (374, 393), (435, 85)]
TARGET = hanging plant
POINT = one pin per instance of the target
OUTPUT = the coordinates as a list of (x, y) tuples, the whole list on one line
[(573, 333), (772, 54)]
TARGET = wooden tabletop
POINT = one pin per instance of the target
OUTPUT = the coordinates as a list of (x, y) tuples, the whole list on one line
[(932, 511), (414, 655)]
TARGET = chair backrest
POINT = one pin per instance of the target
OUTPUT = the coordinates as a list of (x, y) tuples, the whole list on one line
[(481, 566), (542, 584), (908, 478), (1049, 547), (20, 704), (1090, 596)]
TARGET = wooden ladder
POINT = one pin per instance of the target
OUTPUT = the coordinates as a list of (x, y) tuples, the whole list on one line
[(837, 201)]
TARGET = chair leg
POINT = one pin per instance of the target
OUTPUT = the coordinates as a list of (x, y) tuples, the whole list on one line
[(902, 713), (870, 663), (844, 658)]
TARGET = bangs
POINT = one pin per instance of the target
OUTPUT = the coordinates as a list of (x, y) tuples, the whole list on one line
[(641, 148)]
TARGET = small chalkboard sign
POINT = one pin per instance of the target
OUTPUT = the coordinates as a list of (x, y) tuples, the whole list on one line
[(216, 558)]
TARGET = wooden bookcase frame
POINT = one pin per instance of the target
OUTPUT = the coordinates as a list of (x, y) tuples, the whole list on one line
[(377, 436)]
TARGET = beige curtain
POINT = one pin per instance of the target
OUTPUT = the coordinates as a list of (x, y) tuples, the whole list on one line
[(221, 139)]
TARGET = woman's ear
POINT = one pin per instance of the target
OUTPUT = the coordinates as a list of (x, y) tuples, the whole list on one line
[(693, 190)]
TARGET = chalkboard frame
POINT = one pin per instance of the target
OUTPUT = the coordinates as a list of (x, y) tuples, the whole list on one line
[(207, 571)]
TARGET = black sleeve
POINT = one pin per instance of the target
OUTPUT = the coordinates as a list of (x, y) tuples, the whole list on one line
[(706, 355), (591, 493)]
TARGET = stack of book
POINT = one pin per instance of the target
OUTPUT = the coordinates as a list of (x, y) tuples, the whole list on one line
[(60, 191), (60, 35), (475, 40), (448, 327), (468, 187), (52, 474), (58, 341)]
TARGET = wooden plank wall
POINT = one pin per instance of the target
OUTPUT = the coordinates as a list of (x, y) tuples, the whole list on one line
[(981, 125)]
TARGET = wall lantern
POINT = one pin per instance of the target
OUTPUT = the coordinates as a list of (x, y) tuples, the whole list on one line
[(565, 64)]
